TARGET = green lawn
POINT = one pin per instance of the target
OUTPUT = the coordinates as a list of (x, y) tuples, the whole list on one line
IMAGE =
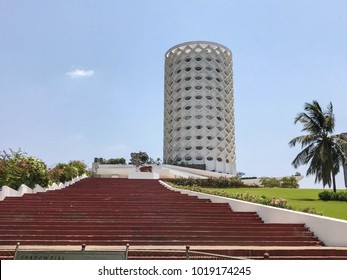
[(300, 198)]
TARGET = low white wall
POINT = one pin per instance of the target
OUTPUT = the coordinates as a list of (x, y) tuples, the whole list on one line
[(23, 189), (333, 232)]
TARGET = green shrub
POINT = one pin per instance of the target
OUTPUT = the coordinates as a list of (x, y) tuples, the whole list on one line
[(18, 168), (289, 182), (267, 182), (285, 182), (80, 166), (221, 182), (329, 195), (311, 210), (63, 172)]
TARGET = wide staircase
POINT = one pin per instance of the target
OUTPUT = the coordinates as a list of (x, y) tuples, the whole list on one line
[(144, 214)]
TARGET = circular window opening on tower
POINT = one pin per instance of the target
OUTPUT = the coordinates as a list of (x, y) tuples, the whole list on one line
[(208, 78), (187, 118), (199, 137), (227, 161), (198, 58), (210, 137), (187, 107), (208, 68), (188, 88), (178, 159), (199, 127), (219, 159), (187, 79), (188, 158), (209, 158), (198, 87), (198, 107), (198, 117), (187, 59), (187, 97), (209, 127), (178, 119), (208, 97), (199, 158), (208, 59), (188, 148), (178, 80), (178, 71), (178, 61), (198, 97), (210, 148), (208, 87), (198, 78), (188, 127), (188, 137), (188, 69), (198, 68), (178, 138), (199, 148), (178, 99)]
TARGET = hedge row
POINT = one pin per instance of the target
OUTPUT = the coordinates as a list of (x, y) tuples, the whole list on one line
[(221, 182), (329, 195)]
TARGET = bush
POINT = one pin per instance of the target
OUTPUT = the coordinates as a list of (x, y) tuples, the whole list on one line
[(311, 210), (116, 161), (270, 182), (285, 182), (289, 182), (329, 195), (81, 166), (221, 182), (18, 168), (63, 172)]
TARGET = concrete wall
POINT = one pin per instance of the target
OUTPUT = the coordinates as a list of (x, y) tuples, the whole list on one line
[(23, 189), (333, 232)]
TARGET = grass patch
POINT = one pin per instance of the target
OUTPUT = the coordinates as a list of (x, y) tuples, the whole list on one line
[(299, 199)]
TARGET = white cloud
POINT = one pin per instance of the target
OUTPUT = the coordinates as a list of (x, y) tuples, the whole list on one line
[(79, 73)]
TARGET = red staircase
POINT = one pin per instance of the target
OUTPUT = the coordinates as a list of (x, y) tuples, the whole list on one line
[(115, 212)]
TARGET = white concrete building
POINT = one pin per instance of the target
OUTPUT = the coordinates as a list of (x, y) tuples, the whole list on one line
[(199, 106)]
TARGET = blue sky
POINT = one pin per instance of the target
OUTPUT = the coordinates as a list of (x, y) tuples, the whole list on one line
[(84, 79)]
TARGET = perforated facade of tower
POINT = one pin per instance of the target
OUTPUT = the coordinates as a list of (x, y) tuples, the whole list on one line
[(199, 106)]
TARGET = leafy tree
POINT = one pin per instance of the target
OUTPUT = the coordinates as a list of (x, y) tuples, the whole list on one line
[(323, 151)]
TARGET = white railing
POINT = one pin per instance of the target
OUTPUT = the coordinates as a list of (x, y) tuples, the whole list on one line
[(23, 189)]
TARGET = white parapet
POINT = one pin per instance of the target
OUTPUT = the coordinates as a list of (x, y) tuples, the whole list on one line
[(143, 175), (329, 230), (24, 189)]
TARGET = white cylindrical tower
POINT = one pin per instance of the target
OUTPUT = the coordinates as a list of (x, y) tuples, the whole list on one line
[(199, 106)]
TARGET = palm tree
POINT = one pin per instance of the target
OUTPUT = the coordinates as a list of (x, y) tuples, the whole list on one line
[(323, 151)]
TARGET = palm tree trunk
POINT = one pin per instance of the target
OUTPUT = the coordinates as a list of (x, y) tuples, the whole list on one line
[(334, 183)]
